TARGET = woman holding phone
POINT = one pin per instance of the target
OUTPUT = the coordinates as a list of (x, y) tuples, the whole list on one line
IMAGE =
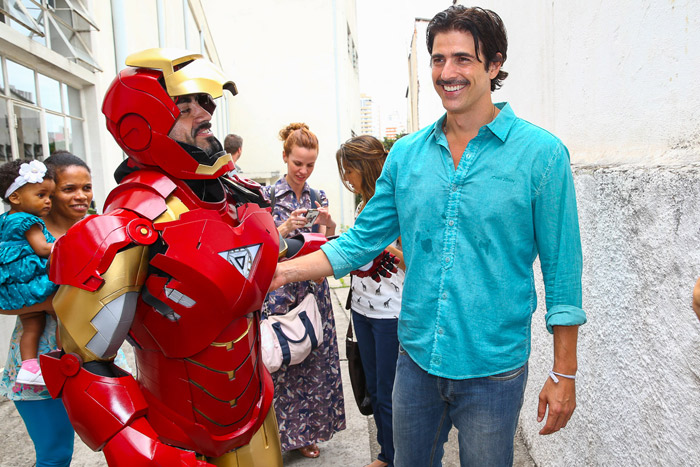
[(308, 396)]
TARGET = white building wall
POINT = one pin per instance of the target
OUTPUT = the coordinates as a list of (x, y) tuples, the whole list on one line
[(429, 107), (291, 64), (616, 81)]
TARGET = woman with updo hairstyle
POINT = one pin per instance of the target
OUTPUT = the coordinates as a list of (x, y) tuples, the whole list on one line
[(308, 396), (375, 299)]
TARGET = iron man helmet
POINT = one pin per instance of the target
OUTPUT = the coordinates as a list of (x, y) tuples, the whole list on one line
[(140, 106)]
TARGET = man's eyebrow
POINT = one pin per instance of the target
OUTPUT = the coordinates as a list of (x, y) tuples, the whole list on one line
[(456, 54), (463, 54)]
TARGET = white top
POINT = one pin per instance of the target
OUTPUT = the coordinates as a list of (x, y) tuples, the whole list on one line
[(378, 300)]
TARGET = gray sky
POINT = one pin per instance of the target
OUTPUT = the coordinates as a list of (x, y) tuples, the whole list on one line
[(384, 35)]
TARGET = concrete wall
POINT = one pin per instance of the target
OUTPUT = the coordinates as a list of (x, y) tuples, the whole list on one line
[(638, 391)]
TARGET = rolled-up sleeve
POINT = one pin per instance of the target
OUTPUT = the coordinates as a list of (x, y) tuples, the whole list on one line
[(559, 242), (375, 228)]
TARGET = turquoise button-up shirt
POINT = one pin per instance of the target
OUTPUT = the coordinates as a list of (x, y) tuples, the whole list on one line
[(470, 237)]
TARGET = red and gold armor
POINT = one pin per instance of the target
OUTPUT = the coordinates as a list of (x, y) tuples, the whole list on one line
[(178, 264)]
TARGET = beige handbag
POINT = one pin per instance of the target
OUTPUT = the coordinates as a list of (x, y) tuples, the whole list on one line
[(288, 339)]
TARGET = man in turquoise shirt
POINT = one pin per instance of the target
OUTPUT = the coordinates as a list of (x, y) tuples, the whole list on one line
[(475, 197)]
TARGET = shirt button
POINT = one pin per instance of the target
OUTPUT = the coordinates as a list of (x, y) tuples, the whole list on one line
[(441, 331), (451, 223), (454, 188), (444, 296), (447, 259)]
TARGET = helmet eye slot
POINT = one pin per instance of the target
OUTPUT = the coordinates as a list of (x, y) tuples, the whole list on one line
[(204, 100)]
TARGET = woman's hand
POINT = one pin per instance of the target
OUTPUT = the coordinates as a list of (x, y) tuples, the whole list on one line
[(296, 220), (324, 219)]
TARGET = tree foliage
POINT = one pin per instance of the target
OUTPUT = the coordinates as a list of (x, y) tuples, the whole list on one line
[(389, 142)]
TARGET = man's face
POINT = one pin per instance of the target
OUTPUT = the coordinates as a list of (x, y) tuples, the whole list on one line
[(460, 79), (193, 126)]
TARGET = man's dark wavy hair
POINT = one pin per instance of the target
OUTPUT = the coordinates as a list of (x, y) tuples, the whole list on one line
[(485, 26)]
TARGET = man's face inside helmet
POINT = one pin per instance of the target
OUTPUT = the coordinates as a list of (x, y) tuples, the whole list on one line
[(193, 126)]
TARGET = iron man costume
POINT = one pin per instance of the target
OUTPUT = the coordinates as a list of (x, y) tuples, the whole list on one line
[(178, 264)]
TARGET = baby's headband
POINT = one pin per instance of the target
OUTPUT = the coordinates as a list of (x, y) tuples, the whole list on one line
[(33, 172)]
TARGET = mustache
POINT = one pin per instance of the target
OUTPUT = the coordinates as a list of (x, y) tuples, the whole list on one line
[(451, 82), (202, 126)]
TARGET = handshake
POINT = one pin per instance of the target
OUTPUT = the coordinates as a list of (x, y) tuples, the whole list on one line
[(383, 265)]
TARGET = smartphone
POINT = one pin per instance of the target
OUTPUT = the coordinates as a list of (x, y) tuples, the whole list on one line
[(311, 216)]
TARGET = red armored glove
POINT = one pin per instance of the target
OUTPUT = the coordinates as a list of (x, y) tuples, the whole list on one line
[(383, 265)]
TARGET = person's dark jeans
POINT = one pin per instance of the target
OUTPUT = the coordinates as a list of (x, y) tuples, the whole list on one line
[(484, 410), (379, 349)]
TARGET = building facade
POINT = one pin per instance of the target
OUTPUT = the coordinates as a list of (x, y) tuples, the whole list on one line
[(57, 58), (292, 62), (368, 119)]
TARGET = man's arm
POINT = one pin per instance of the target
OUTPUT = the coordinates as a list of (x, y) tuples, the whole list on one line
[(560, 397), (309, 267), (559, 246)]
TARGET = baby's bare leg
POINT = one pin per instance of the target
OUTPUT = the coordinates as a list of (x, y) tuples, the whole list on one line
[(32, 328)]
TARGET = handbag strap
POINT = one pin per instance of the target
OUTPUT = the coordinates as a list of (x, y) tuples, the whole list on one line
[(349, 335), (284, 340)]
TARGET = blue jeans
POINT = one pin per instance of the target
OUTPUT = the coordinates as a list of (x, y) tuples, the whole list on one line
[(485, 411), (379, 349), (50, 430)]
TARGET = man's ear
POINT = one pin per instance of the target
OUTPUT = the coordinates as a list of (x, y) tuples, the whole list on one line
[(495, 65)]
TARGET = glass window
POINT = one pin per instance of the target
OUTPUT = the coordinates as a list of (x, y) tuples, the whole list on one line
[(21, 81), (23, 14), (56, 129), (28, 133), (75, 137), (72, 97), (49, 93), (43, 113), (5, 147), (2, 79)]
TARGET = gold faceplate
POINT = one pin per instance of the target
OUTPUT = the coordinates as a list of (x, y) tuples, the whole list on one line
[(198, 76), (212, 169)]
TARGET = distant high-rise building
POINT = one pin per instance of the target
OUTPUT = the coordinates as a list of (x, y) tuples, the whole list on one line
[(393, 126), (368, 122)]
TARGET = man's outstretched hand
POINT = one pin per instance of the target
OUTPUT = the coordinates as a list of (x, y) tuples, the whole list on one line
[(383, 265)]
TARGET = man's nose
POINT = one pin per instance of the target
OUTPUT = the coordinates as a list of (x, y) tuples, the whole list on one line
[(200, 112), (449, 70)]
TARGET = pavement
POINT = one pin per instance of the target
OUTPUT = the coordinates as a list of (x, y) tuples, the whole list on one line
[(355, 446)]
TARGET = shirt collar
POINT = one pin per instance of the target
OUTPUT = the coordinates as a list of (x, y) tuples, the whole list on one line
[(500, 126), (282, 187)]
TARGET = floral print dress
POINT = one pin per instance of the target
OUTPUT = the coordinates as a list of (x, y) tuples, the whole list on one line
[(309, 396)]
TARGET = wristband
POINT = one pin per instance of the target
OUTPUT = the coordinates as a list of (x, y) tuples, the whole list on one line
[(553, 375)]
